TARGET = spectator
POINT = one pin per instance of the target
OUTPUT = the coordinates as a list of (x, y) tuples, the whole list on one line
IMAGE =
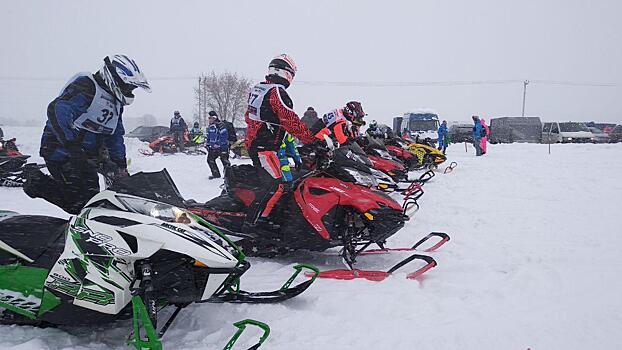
[(443, 137), (477, 132), (484, 134), (217, 145), (178, 128)]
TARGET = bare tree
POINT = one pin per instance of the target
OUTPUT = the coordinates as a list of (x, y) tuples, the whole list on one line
[(226, 93)]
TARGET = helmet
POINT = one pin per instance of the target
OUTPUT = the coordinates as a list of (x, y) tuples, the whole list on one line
[(282, 70), (176, 114), (121, 75), (353, 111), (373, 124), (196, 124)]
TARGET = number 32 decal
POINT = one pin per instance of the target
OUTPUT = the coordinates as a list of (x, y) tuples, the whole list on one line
[(106, 116)]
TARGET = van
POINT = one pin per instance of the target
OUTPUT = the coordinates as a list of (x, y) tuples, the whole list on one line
[(566, 132)]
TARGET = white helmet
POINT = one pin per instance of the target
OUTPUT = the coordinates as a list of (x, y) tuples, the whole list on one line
[(122, 75), (282, 70)]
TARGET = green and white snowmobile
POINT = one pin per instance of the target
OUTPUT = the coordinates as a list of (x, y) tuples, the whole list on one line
[(122, 257)]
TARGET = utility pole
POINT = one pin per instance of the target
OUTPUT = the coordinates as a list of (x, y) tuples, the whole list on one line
[(525, 83), (199, 109)]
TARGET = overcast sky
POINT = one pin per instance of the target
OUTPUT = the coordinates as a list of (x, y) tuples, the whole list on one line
[(45, 42)]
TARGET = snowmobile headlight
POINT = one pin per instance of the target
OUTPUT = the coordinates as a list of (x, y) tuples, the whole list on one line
[(361, 178), (160, 211)]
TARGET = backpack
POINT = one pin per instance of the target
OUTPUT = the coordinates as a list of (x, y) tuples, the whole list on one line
[(483, 132), (230, 131)]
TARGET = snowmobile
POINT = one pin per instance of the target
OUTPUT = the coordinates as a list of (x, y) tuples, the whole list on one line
[(122, 257), (12, 164), (165, 144), (320, 213), (350, 164), (382, 160), (428, 156)]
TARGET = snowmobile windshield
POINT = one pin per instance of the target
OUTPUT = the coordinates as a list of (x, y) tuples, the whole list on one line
[(157, 186), (351, 156)]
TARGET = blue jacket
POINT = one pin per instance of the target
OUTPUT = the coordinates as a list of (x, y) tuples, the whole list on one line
[(288, 149), (477, 130), (59, 131), (217, 136), (442, 131)]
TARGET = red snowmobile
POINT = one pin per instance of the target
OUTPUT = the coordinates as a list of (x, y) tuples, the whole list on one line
[(320, 213), (166, 144)]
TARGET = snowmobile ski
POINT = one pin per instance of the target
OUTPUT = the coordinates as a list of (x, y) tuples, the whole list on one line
[(241, 326), (442, 235), (235, 295), (450, 167), (376, 275)]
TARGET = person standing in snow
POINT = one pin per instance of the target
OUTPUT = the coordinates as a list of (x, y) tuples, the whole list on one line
[(477, 135), (217, 145), (485, 132), (269, 115), (178, 128), (443, 137), (85, 117)]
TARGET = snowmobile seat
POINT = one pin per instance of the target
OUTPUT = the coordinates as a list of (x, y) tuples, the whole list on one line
[(40, 238), (242, 176)]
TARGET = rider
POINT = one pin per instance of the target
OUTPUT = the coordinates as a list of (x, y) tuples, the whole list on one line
[(269, 115), (217, 145), (196, 134), (373, 131), (344, 122), (288, 149), (178, 128), (85, 117)]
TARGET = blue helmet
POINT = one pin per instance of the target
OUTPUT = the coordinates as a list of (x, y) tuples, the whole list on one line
[(122, 75)]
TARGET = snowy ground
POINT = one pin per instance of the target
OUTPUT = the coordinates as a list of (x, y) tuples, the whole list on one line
[(533, 262)]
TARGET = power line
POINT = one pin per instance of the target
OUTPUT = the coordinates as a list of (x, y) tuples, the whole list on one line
[(373, 83)]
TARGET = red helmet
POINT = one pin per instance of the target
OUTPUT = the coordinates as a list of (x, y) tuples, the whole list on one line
[(353, 111)]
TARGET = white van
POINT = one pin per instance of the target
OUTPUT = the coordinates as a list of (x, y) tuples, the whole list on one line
[(566, 132)]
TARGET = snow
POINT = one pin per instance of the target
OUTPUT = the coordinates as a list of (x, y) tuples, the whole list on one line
[(533, 262)]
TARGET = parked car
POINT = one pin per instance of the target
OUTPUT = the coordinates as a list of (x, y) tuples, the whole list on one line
[(604, 127), (616, 134), (599, 135), (461, 133), (566, 132), (148, 133), (515, 129)]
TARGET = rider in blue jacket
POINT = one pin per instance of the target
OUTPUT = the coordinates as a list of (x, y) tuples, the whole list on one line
[(217, 145), (442, 137), (83, 120)]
